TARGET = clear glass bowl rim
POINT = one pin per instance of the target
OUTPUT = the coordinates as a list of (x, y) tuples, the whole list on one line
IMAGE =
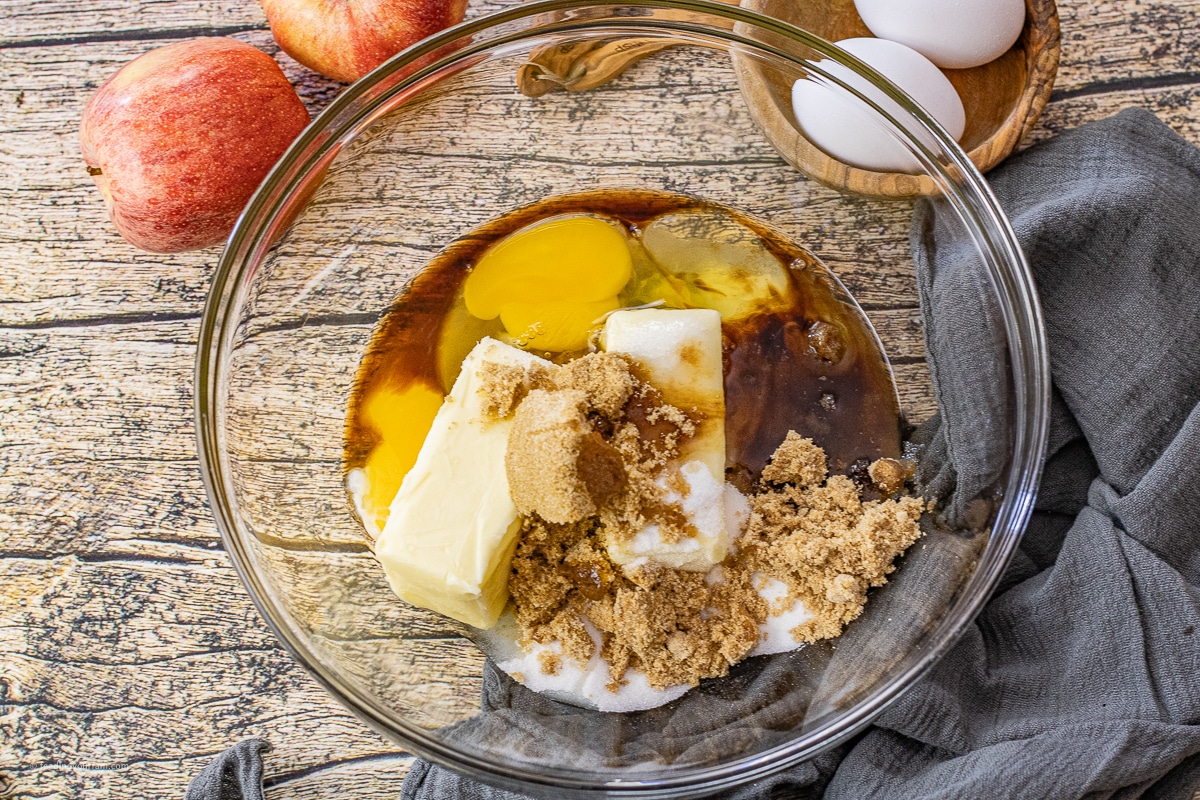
[(301, 169)]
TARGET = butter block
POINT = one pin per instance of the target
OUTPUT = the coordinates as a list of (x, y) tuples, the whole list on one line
[(452, 527), (681, 352)]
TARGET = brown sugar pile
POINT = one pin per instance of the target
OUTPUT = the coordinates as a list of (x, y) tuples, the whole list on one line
[(816, 535), (587, 444), (658, 620)]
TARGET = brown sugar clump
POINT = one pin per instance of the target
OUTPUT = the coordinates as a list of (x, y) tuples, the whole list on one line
[(504, 386), (588, 569), (550, 663), (593, 443), (888, 475), (844, 588), (557, 466), (677, 629), (672, 625), (538, 586), (568, 630), (604, 378), (797, 461)]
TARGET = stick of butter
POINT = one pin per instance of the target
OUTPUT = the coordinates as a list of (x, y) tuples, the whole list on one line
[(452, 527), (680, 351)]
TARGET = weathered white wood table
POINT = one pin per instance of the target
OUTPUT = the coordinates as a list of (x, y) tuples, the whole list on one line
[(129, 652)]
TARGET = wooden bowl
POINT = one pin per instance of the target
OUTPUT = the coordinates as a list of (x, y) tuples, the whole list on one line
[(1003, 98)]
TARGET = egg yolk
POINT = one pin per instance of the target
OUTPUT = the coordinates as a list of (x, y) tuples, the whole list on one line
[(402, 418), (554, 326), (551, 282)]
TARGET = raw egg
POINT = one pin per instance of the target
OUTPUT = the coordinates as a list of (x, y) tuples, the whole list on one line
[(954, 34), (400, 418), (550, 283), (850, 131)]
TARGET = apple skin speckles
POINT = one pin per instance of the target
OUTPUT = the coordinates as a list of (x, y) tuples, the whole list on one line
[(179, 138), (346, 39)]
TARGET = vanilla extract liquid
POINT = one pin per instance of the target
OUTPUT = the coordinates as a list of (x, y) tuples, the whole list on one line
[(811, 363)]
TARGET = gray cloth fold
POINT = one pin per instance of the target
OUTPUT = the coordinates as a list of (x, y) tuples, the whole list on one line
[(1081, 678), (237, 774)]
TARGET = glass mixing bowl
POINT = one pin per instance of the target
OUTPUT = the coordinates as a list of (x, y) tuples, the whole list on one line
[(439, 140)]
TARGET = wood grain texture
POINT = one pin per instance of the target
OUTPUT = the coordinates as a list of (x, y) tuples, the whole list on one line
[(1108, 45), (130, 654), (69, 22)]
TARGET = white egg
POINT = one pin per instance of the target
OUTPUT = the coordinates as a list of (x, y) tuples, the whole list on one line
[(849, 130), (954, 34)]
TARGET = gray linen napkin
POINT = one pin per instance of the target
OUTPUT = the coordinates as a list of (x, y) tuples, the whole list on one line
[(1081, 678), (237, 774)]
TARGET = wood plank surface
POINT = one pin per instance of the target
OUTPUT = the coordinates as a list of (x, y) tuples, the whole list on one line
[(130, 653)]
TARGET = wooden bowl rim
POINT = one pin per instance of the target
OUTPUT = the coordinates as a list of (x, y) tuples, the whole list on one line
[(1041, 40)]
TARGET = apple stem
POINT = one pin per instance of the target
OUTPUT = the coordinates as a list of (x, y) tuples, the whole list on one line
[(94, 171)]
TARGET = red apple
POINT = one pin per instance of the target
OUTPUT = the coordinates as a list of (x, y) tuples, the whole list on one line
[(346, 39), (180, 137)]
